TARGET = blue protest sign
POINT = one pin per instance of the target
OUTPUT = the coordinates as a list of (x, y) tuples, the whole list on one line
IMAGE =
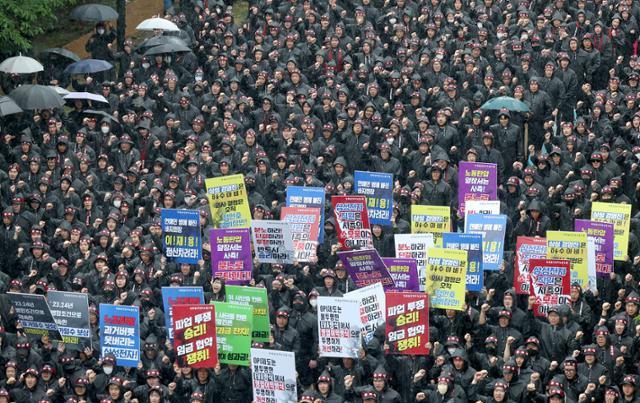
[(378, 188), (472, 243), (120, 333), (179, 296), (493, 228), (181, 238), (301, 196)]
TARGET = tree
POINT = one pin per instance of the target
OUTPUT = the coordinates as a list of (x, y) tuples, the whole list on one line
[(21, 20)]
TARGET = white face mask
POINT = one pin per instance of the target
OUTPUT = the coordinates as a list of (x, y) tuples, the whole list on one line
[(442, 388), (198, 77), (105, 129), (390, 141), (101, 31), (107, 370), (116, 203), (313, 302), (145, 65)]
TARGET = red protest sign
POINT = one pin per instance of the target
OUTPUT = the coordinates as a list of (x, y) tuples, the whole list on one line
[(407, 323), (526, 248), (194, 335), (550, 283), (352, 222)]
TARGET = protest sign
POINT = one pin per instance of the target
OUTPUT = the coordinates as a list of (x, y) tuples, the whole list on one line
[(407, 323), (194, 329), (602, 234), (304, 223), (434, 220), (272, 241), (274, 376), (472, 243), (181, 238), (493, 229), (415, 246), (230, 259), (378, 189), (527, 248), (257, 298), (228, 202), (491, 207), (620, 216), (591, 264), (233, 330), (120, 333), (70, 310), (446, 277), (366, 267), (571, 246), (352, 222), (476, 181), (404, 273), (550, 283), (372, 306), (338, 327), (178, 296), (300, 196), (34, 315)]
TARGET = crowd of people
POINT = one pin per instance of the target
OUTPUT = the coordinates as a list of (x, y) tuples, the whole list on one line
[(304, 93)]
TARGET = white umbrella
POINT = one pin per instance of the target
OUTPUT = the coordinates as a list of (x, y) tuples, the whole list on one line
[(61, 91), (86, 96), (157, 23), (20, 65)]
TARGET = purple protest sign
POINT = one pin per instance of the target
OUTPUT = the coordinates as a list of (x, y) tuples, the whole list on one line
[(603, 234), (231, 255), (366, 267), (476, 181), (404, 273)]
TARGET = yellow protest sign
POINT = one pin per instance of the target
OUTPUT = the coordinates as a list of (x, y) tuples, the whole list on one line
[(446, 277), (228, 202), (571, 246), (620, 216), (434, 220)]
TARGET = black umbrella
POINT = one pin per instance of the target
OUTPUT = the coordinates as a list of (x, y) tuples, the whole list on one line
[(100, 113), (67, 54), (36, 97), (94, 13), (168, 48), (88, 66), (8, 106)]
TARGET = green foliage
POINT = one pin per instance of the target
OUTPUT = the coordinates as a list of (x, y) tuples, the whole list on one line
[(21, 20)]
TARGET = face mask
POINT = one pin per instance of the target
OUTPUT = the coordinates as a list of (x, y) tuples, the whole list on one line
[(198, 77), (298, 307), (107, 370), (116, 203), (442, 389), (168, 60), (313, 302), (105, 129), (532, 352), (145, 65), (101, 31), (390, 141)]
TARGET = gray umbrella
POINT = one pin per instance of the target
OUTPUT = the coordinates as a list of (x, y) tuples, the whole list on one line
[(168, 48), (161, 40), (8, 106), (67, 54), (36, 97), (94, 13)]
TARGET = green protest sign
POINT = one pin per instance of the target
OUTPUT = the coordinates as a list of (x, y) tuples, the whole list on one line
[(233, 333), (257, 298)]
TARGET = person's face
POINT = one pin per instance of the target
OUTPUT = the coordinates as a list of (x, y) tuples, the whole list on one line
[(323, 387), (378, 384), (590, 359), (628, 389), (114, 391), (30, 381), (553, 318), (282, 321), (503, 321), (458, 362), (498, 394), (328, 281)]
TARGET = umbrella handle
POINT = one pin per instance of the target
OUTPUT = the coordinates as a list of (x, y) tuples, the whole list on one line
[(526, 138)]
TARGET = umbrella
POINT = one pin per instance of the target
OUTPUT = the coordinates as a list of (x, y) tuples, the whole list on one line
[(85, 96), (8, 106), (94, 13), (162, 40), (88, 66), (20, 65), (61, 52), (36, 97), (168, 48), (513, 105), (508, 103), (60, 91), (101, 113), (157, 23)]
